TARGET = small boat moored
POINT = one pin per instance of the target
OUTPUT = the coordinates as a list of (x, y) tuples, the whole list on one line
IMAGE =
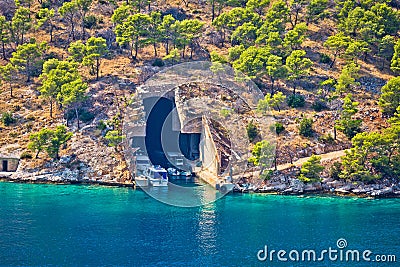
[(156, 176), (141, 181)]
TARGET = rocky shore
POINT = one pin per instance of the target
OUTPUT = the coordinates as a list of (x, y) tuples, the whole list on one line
[(286, 183), (282, 184)]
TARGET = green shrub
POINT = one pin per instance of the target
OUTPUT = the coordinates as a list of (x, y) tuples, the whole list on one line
[(7, 118), (277, 128), (324, 58), (85, 115), (158, 62), (295, 101), (319, 105), (26, 155), (102, 125), (90, 22), (305, 128), (225, 112), (335, 170), (326, 139), (252, 131)]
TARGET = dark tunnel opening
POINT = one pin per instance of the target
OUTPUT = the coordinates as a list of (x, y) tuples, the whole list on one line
[(158, 117)]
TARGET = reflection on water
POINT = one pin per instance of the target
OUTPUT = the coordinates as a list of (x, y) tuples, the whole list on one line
[(175, 194), (207, 232)]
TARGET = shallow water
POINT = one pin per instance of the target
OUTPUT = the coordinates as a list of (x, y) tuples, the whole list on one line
[(93, 225)]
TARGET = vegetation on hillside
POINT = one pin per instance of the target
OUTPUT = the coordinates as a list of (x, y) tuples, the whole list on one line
[(310, 58)]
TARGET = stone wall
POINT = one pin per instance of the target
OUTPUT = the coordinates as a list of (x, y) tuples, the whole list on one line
[(12, 164)]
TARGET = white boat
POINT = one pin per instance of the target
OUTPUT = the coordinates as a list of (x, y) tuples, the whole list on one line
[(156, 176), (142, 163), (141, 181)]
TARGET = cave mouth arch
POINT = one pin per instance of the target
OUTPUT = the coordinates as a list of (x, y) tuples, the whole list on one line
[(159, 127)]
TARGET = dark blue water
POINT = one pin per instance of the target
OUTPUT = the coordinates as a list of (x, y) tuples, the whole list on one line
[(89, 225)]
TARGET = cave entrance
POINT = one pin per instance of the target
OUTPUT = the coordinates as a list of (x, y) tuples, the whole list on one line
[(158, 110)]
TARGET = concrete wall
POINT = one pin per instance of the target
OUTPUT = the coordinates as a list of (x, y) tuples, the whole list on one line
[(12, 164), (208, 151)]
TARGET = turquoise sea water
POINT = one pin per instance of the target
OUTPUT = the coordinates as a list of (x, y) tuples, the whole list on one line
[(96, 226)]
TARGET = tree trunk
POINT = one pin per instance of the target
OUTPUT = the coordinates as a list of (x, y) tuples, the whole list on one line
[(334, 132), (97, 68), (213, 10), (155, 49), (334, 60), (37, 154), (77, 117), (167, 47), (191, 51)]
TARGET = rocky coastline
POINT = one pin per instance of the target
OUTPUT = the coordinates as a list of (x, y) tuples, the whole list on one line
[(279, 184)]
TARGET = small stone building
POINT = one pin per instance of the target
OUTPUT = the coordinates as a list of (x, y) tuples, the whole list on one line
[(8, 163)]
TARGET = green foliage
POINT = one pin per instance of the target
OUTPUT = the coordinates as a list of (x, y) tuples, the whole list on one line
[(263, 154), (316, 10), (89, 54), (102, 125), (133, 32), (173, 57), (276, 100), (279, 128), (245, 35), (319, 105), (113, 138), (306, 127), (295, 37), (7, 118), (252, 61), (390, 96), (295, 101), (350, 127), (158, 62), (45, 19), (215, 57), (326, 139), (121, 14), (167, 31), (5, 36), (298, 66), (335, 170), (311, 169), (20, 24), (386, 48), (26, 155), (252, 131), (395, 64), (225, 112), (8, 73), (324, 58), (338, 43), (28, 59), (49, 140), (347, 78), (90, 22)]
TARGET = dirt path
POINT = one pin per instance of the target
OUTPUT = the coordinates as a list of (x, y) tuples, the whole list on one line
[(324, 157)]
